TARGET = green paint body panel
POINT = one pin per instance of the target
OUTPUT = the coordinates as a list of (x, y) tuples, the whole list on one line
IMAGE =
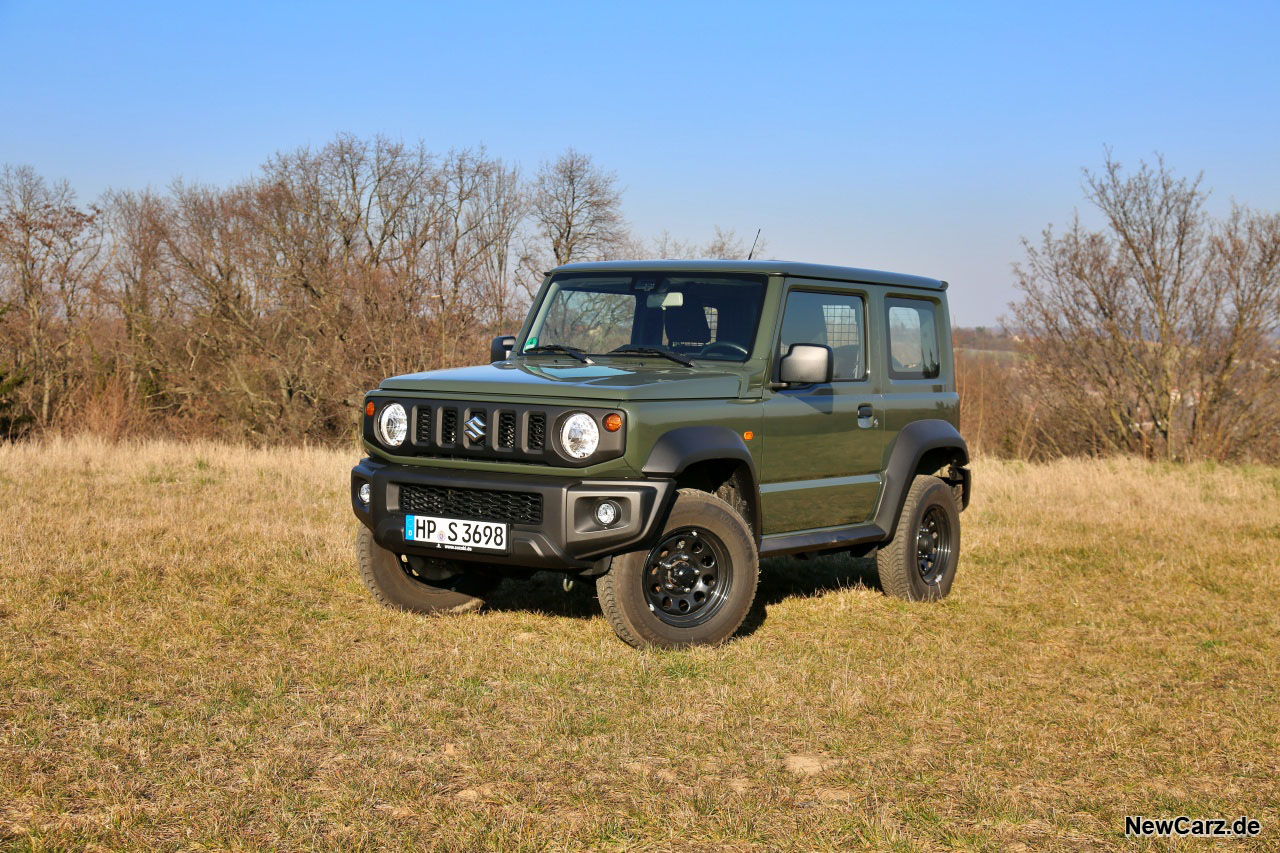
[(543, 377), (819, 462)]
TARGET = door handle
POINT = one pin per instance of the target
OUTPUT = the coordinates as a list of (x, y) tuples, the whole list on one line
[(867, 417)]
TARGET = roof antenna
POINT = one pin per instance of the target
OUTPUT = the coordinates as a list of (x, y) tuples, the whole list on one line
[(753, 244)]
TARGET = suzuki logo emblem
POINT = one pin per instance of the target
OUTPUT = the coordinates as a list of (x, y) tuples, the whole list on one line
[(474, 428)]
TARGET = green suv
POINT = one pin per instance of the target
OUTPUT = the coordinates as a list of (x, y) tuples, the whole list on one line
[(660, 427)]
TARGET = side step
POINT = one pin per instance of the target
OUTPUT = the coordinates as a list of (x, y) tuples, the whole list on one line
[(831, 539)]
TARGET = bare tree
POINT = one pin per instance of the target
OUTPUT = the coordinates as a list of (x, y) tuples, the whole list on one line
[(724, 245), (577, 209), (136, 285), (48, 263), (728, 246), (1145, 334)]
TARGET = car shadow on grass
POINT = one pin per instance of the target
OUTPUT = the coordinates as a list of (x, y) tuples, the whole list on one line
[(781, 578), (791, 577), (546, 593)]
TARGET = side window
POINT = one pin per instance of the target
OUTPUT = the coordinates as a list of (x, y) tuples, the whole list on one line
[(831, 319), (913, 339)]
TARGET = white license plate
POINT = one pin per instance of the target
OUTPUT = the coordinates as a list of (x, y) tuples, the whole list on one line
[(455, 534)]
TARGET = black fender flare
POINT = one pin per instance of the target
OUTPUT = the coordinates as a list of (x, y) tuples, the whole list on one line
[(914, 441), (681, 447)]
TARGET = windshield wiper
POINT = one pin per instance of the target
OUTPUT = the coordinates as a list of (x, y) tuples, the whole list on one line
[(635, 349), (567, 350)]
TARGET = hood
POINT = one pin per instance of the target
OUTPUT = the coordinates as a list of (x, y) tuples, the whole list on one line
[(635, 379)]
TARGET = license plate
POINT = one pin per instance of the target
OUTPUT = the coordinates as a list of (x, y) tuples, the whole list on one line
[(455, 534)]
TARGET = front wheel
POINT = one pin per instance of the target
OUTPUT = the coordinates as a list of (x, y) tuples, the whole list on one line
[(419, 584), (694, 587), (919, 563)]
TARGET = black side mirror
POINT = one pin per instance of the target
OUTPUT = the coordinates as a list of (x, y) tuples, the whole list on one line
[(501, 347), (806, 364)]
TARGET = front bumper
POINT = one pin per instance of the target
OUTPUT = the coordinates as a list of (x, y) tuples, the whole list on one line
[(568, 536)]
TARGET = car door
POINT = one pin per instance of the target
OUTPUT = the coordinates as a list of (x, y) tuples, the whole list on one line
[(823, 443)]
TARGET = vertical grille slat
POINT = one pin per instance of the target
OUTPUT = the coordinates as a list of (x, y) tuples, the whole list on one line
[(537, 438), (422, 431), (507, 430), (448, 426)]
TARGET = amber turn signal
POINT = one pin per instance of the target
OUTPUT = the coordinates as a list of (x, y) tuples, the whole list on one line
[(613, 422), (368, 408), (748, 435)]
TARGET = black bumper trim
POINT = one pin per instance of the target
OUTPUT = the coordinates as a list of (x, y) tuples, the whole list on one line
[(568, 538)]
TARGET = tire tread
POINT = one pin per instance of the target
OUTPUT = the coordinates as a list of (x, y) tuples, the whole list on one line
[(365, 548), (608, 592), (364, 556), (893, 559)]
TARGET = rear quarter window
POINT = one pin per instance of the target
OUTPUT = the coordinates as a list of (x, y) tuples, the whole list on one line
[(913, 339)]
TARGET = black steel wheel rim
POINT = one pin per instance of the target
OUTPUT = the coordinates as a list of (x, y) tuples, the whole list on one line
[(687, 577), (933, 544)]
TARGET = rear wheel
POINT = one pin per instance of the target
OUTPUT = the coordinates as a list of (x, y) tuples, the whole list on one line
[(420, 584), (919, 563), (694, 587)]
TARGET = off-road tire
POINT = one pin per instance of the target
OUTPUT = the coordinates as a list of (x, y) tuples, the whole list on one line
[(898, 561), (622, 589), (392, 586)]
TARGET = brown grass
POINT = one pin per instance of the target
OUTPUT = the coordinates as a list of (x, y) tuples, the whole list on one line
[(188, 659)]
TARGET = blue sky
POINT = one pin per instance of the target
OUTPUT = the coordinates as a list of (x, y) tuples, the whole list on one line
[(924, 138)]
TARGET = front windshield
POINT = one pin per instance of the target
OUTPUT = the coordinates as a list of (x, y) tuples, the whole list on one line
[(695, 316)]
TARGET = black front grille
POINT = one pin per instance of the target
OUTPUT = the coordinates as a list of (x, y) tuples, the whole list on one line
[(477, 504), (448, 426), (511, 431), (507, 429), (537, 431)]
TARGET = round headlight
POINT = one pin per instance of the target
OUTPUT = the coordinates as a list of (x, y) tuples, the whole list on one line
[(579, 436), (393, 424)]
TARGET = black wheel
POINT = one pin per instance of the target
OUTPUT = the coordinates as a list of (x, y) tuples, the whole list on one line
[(694, 587), (418, 584), (919, 563)]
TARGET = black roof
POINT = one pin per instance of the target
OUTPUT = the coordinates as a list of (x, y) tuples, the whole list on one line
[(790, 268)]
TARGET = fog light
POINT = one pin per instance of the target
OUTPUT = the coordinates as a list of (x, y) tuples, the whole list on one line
[(607, 513), (365, 493)]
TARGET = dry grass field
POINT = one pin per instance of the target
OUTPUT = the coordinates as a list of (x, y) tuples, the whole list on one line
[(188, 659)]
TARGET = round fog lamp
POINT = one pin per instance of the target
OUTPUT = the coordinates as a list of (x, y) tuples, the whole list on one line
[(607, 513), (365, 493)]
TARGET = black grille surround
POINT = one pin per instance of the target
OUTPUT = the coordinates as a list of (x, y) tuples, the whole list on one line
[(472, 504), (515, 432)]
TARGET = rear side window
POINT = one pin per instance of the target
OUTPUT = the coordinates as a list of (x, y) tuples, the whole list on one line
[(913, 339), (831, 319)]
